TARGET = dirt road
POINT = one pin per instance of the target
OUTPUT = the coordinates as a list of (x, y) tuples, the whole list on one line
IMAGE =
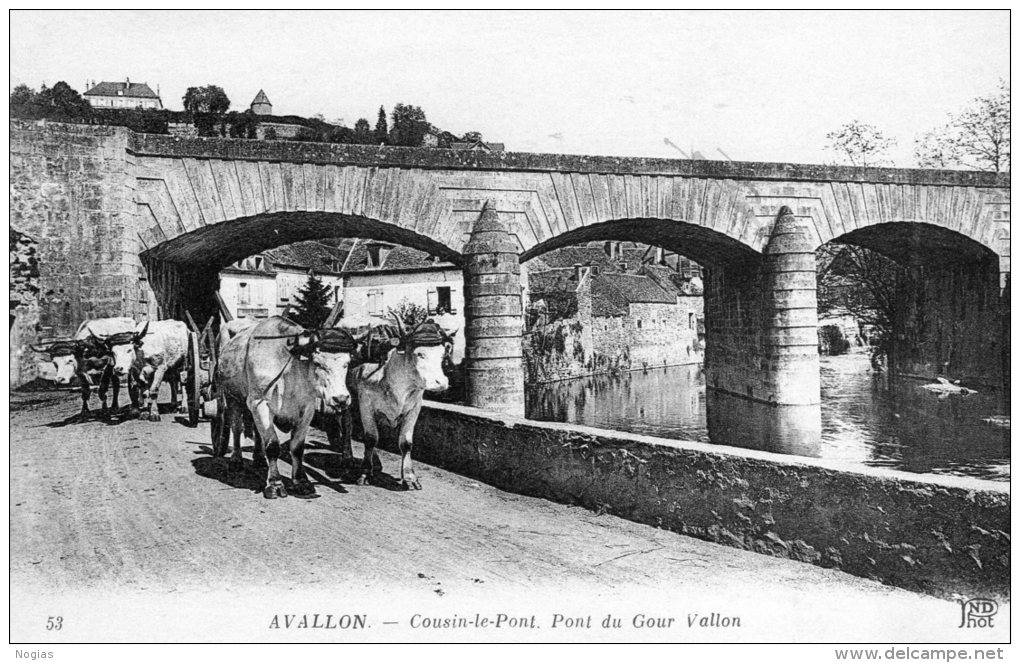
[(113, 523)]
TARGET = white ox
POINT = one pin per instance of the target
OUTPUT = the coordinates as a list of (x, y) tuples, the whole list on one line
[(162, 354), (389, 395), (279, 371)]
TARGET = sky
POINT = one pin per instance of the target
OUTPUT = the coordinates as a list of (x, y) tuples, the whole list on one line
[(759, 86)]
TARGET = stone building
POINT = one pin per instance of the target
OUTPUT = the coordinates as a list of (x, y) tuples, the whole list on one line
[(379, 277), (605, 313), (24, 305), (261, 105), (267, 283), (109, 94)]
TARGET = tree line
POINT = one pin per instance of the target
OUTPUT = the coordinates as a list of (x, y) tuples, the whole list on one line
[(207, 107)]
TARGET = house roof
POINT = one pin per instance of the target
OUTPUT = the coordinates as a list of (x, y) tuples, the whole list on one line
[(638, 289), (318, 256), (553, 280), (261, 98), (672, 282), (323, 257), (122, 89), (396, 258), (607, 301)]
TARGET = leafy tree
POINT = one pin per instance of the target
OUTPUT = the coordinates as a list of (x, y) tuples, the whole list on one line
[(363, 132), (978, 138), (270, 133), (382, 129), (860, 144), (206, 99), (22, 94), (409, 126), (410, 314), (242, 125), (472, 137), (313, 303)]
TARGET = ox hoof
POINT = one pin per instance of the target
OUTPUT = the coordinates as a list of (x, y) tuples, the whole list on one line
[(303, 488), (411, 484), (153, 416), (364, 480), (274, 490), (134, 412), (235, 465)]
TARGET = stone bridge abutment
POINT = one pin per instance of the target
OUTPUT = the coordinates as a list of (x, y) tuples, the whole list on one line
[(133, 224)]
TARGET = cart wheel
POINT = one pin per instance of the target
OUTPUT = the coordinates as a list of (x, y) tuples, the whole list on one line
[(194, 381)]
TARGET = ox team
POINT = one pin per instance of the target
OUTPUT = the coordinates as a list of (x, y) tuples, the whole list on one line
[(270, 375)]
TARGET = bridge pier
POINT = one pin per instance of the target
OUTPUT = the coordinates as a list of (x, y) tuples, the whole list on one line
[(493, 357), (761, 321)]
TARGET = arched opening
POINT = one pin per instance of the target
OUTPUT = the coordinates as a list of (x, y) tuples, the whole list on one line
[(615, 328), (914, 347), (184, 271)]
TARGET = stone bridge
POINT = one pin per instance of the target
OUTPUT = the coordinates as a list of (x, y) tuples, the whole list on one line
[(116, 213)]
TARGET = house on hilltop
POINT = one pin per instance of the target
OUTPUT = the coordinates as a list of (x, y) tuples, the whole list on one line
[(110, 94)]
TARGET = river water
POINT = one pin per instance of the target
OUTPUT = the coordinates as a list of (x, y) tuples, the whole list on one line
[(863, 420)]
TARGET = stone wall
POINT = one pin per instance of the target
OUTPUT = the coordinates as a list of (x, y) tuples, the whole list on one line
[(939, 535), (70, 191), (24, 305)]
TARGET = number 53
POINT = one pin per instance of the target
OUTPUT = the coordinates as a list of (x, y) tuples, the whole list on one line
[(54, 623)]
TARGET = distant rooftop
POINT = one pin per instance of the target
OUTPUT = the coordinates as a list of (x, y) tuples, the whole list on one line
[(122, 89)]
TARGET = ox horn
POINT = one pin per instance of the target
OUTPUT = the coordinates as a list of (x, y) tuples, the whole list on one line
[(41, 350), (145, 330), (400, 325)]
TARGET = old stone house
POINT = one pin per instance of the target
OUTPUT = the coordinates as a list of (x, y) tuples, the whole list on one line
[(267, 283), (110, 94), (379, 277), (605, 313)]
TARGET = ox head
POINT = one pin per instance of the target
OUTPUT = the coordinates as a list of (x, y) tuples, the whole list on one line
[(427, 346), (120, 348), (329, 351), (61, 361)]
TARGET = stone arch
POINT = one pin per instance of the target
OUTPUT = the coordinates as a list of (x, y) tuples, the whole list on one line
[(702, 244), (183, 271), (949, 306)]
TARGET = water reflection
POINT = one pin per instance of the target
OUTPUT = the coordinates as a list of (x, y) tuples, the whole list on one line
[(862, 419)]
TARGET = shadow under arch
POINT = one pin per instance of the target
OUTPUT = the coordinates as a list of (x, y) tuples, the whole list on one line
[(184, 271), (221, 244), (918, 244), (704, 245), (943, 312)]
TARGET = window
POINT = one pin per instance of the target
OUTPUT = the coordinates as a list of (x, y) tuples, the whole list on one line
[(639, 324), (375, 302), (243, 294), (440, 301), (692, 321)]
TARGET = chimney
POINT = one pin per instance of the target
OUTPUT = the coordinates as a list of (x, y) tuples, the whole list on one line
[(658, 255), (128, 81)]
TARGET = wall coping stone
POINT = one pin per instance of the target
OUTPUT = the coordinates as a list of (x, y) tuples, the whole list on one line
[(157, 145), (941, 480)]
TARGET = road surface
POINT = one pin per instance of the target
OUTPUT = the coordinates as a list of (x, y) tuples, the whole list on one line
[(131, 531)]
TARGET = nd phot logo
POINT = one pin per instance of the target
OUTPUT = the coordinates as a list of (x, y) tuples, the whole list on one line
[(978, 613)]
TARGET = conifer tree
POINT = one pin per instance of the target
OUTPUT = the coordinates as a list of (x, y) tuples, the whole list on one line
[(313, 303), (382, 130)]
